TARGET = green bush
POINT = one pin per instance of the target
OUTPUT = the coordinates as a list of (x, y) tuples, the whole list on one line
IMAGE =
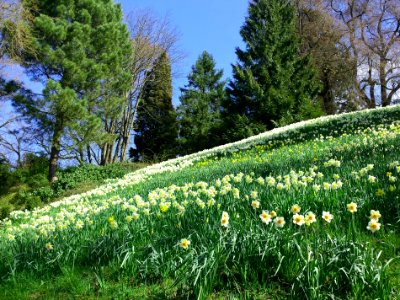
[(5, 211), (70, 177), (28, 200), (45, 193), (32, 201), (4, 175)]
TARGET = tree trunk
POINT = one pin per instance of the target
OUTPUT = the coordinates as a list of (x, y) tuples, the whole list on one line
[(103, 155), (81, 156), (55, 148), (89, 154), (116, 151), (124, 148), (128, 126), (371, 101), (326, 94), (385, 101), (109, 153)]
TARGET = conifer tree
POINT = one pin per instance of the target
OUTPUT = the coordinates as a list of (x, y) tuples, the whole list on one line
[(272, 84), (156, 126), (201, 99), (81, 53)]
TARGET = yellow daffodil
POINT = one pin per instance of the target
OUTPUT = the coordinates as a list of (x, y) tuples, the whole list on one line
[(255, 204), (279, 222), (298, 219), (49, 246), (225, 219), (373, 226), (375, 215), (295, 209), (352, 207), (185, 243), (327, 216), (266, 217), (310, 218)]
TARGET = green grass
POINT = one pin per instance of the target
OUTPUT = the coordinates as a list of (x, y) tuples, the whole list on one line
[(123, 241)]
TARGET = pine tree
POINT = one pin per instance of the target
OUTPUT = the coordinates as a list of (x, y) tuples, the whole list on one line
[(81, 53), (156, 126), (272, 84), (201, 99)]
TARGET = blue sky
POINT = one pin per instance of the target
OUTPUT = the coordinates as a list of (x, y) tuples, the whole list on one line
[(211, 25)]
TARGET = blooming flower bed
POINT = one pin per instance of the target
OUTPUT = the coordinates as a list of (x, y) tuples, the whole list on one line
[(294, 205)]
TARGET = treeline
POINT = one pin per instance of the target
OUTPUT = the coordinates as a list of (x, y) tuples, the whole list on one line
[(107, 80)]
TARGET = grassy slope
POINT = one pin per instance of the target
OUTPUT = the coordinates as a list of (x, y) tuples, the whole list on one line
[(93, 279)]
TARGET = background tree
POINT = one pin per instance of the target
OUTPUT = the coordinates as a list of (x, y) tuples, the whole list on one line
[(321, 39), (150, 37), (156, 124), (82, 48), (200, 108), (15, 141), (371, 32), (15, 33), (272, 84)]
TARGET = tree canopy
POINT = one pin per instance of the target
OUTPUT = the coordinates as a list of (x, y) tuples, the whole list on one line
[(156, 127), (81, 52), (272, 83), (200, 109)]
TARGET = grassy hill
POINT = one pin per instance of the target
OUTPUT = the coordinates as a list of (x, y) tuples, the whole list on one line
[(307, 211)]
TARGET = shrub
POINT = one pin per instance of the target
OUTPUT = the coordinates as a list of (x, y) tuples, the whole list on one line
[(70, 177), (45, 193), (32, 201), (5, 211)]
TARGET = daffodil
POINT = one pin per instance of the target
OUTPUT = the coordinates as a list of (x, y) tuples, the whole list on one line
[(326, 185), (327, 216), (225, 219), (255, 204), (113, 225), (49, 246), (279, 222), (295, 209), (185, 243), (316, 187), (79, 224), (236, 193), (310, 218), (373, 226), (266, 217), (298, 219), (375, 215), (352, 207)]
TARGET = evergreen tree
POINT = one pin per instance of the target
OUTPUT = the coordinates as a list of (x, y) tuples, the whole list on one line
[(81, 53), (156, 126), (201, 99), (272, 84)]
